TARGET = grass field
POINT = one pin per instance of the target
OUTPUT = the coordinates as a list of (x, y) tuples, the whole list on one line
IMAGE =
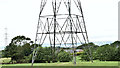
[(68, 64), (79, 63), (96, 64)]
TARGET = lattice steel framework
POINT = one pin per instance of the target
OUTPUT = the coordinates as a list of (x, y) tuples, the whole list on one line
[(61, 23), (6, 37)]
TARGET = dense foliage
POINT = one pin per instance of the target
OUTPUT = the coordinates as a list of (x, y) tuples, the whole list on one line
[(64, 56), (107, 52), (45, 55), (21, 48)]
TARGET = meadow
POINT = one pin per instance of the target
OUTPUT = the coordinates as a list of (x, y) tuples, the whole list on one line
[(96, 63)]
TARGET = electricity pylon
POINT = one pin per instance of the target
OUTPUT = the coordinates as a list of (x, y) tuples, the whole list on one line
[(6, 37), (61, 23)]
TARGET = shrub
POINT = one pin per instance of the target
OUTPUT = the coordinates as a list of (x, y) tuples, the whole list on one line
[(85, 56), (64, 57)]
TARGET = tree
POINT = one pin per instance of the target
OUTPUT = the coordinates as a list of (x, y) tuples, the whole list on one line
[(18, 55), (115, 44), (85, 56), (91, 44), (18, 48), (43, 55), (27, 49), (117, 54), (106, 53), (64, 56), (89, 51), (20, 40), (9, 50)]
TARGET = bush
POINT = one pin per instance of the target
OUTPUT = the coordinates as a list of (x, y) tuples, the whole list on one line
[(107, 53), (64, 57), (85, 57), (44, 55), (27, 59)]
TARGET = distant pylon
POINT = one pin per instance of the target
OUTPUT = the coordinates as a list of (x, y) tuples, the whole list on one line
[(61, 23), (6, 37)]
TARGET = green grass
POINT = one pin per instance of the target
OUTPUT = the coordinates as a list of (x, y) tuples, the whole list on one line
[(79, 63), (67, 64)]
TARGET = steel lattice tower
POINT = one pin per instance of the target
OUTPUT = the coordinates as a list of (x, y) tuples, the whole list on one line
[(6, 37), (61, 23)]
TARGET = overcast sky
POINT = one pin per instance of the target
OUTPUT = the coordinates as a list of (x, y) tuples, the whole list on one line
[(20, 17)]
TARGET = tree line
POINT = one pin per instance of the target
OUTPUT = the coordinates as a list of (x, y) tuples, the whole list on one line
[(106, 52), (21, 48)]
